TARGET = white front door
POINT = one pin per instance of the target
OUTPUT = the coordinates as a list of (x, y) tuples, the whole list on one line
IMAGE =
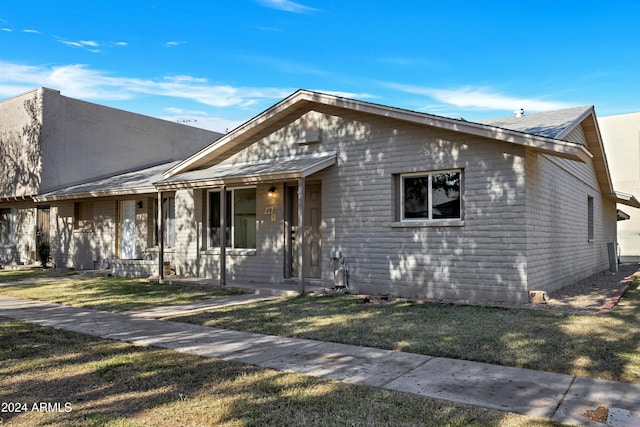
[(127, 229)]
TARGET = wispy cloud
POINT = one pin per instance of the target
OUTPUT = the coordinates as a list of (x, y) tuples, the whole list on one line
[(80, 43), (201, 119), (342, 94), (480, 98), (173, 43), (79, 81), (90, 45), (8, 30), (31, 31), (287, 6)]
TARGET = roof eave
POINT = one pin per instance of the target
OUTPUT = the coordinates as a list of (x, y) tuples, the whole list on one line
[(93, 194), (626, 199), (303, 97)]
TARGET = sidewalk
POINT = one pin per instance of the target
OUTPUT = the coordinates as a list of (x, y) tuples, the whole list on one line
[(556, 397)]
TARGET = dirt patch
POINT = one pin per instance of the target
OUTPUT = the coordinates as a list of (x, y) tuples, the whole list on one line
[(600, 414), (591, 295)]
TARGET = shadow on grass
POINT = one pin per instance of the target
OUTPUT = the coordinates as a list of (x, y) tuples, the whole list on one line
[(115, 294), (32, 274), (112, 383)]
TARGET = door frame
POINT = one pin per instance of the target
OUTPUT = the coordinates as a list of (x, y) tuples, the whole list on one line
[(291, 236)]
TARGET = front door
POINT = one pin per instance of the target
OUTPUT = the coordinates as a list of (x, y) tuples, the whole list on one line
[(127, 229), (43, 234), (43, 225), (312, 236)]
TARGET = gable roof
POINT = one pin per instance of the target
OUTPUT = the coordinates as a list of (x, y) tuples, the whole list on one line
[(544, 132), (303, 100)]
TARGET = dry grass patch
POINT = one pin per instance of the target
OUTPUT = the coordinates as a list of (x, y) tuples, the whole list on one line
[(108, 383)]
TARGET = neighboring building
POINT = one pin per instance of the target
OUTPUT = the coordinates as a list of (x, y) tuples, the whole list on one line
[(409, 204), (621, 137), (49, 143)]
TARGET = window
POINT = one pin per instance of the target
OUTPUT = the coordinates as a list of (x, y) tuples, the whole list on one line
[(83, 216), (7, 222), (168, 220), (590, 218), (240, 218), (429, 196)]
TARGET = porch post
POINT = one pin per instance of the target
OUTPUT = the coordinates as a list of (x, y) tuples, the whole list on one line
[(300, 236), (223, 235), (160, 231)]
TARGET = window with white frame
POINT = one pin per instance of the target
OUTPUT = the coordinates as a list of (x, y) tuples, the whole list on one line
[(7, 224), (430, 195), (168, 220), (240, 219)]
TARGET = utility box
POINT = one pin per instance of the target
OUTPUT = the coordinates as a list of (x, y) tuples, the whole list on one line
[(340, 277)]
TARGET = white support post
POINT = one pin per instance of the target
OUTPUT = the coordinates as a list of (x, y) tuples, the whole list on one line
[(300, 236), (223, 236), (160, 231)]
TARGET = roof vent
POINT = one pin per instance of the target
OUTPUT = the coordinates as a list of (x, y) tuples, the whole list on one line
[(519, 113)]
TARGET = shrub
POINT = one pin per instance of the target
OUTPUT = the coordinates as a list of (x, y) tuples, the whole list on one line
[(44, 253)]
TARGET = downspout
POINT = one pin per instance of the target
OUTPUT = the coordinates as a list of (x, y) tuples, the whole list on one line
[(223, 236), (300, 236), (160, 232)]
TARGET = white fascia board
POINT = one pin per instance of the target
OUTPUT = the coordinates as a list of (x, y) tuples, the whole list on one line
[(93, 194)]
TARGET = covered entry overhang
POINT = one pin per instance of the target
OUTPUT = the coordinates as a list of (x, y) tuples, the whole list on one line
[(281, 169), (627, 200)]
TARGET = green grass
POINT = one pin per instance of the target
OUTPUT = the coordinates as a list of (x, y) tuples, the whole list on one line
[(109, 383), (32, 274), (605, 347), (114, 293)]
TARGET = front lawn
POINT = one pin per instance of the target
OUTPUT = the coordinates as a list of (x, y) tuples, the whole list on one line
[(93, 382), (605, 347), (113, 293)]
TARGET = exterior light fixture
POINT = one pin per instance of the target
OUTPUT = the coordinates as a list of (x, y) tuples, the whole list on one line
[(272, 190)]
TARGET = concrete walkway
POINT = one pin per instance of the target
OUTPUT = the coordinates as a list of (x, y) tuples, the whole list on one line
[(556, 397)]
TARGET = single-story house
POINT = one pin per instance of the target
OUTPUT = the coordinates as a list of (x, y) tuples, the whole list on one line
[(335, 191), (50, 143)]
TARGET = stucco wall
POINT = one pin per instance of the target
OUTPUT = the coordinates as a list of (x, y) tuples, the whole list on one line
[(83, 141), (20, 154)]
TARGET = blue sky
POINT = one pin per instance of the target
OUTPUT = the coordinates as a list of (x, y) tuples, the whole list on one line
[(218, 63)]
